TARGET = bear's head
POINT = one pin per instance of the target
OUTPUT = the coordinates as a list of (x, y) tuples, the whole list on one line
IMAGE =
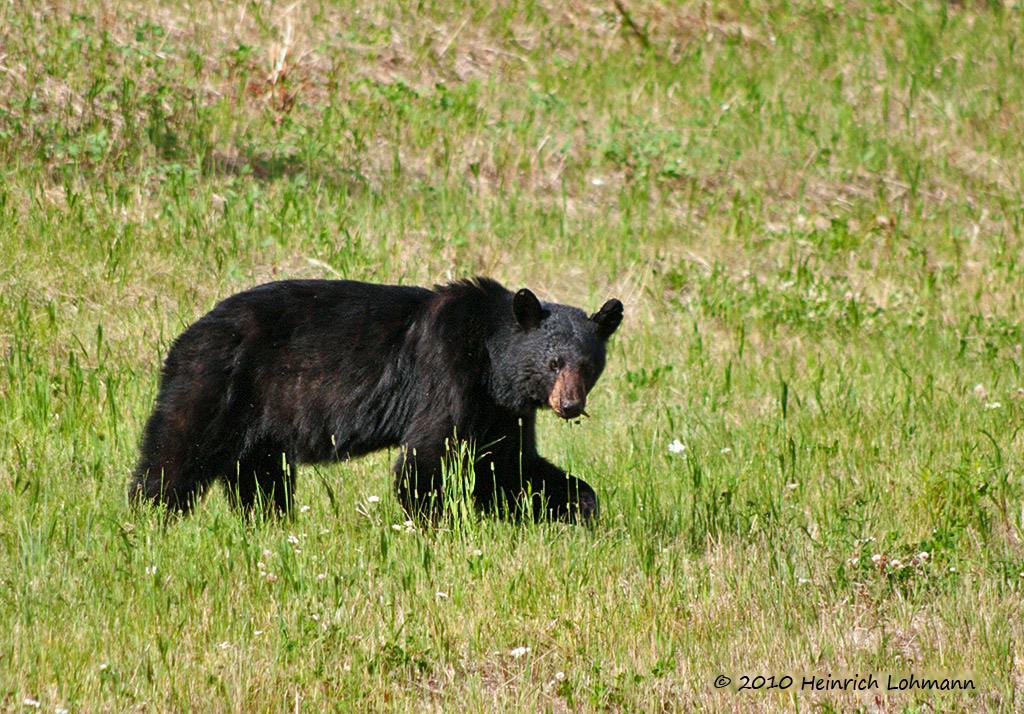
[(551, 355)]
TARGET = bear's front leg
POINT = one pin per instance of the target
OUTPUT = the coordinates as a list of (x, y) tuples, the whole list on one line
[(419, 478), (556, 494)]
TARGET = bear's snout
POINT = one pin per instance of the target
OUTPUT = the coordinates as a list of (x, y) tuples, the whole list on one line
[(569, 395)]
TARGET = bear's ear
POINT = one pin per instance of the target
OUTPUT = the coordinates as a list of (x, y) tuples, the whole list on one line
[(526, 307), (608, 318)]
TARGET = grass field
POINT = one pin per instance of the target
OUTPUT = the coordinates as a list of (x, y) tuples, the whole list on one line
[(812, 212)]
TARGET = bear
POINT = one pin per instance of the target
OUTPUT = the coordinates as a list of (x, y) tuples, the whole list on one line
[(312, 371)]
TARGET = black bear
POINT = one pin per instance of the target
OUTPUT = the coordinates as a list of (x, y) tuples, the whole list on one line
[(309, 371)]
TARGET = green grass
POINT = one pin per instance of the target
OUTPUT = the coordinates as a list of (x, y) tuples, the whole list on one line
[(812, 212)]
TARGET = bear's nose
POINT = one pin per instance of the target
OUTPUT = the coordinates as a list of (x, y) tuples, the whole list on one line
[(569, 395), (570, 408)]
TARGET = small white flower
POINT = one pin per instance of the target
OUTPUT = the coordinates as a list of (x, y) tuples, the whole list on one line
[(852, 562), (266, 554), (597, 181), (396, 527), (896, 563), (792, 486), (677, 447), (224, 645), (477, 552), (439, 595), (373, 499), (923, 555), (150, 570), (726, 450), (321, 577), (304, 509), (261, 565), (803, 581), (293, 539), (60, 710), (271, 578), (519, 651), (559, 676), (979, 389), (876, 558), (257, 632), (32, 703), (993, 405)]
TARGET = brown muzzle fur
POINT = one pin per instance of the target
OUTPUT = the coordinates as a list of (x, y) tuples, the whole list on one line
[(569, 395)]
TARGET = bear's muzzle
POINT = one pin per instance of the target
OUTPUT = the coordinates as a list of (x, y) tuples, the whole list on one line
[(569, 395)]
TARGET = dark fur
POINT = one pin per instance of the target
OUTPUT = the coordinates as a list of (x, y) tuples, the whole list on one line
[(309, 371)]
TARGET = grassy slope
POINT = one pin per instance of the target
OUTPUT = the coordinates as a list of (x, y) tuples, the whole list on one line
[(812, 214)]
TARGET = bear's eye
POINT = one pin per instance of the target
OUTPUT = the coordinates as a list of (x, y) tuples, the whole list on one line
[(556, 364)]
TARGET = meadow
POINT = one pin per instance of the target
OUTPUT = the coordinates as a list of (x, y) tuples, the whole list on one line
[(807, 440)]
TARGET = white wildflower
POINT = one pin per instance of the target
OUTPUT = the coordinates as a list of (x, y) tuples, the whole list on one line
[(677, 447), (519, 651)]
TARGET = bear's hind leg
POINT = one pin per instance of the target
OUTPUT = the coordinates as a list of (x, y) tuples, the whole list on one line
[(165, 484), (167, 472), (264, 478)]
